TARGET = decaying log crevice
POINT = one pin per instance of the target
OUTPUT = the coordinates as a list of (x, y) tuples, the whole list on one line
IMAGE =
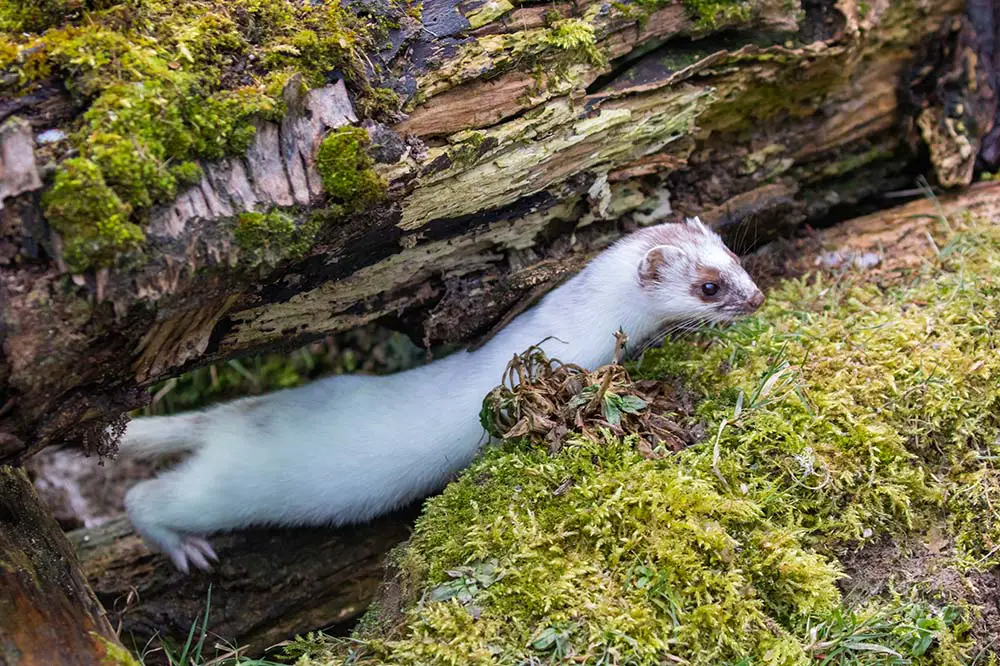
[(517, 160), (269, 586), (48, 614)]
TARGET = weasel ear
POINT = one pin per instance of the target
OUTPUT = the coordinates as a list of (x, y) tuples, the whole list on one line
[(696, 224), (655, 260)]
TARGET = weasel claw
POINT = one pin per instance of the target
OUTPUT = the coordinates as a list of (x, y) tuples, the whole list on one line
[(193, 550)]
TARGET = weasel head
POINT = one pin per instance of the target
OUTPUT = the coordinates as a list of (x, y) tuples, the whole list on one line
[(688, 274)]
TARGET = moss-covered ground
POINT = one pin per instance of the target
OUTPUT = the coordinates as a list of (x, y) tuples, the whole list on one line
[(848, 410)]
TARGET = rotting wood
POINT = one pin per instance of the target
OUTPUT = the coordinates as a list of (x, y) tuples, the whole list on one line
[(269, 586), (48, 614), (517, 157)]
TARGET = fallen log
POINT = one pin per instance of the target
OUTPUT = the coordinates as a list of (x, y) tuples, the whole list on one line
[(48, 614), (269, 586)]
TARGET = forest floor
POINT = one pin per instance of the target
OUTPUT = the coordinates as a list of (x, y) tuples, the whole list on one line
[(814, 484)]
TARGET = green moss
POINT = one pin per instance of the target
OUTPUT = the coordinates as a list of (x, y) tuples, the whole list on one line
[(854, 162), (38, 15), (273, 236), (346, 168), (576, 36), (165, 84), (466, 147), (772, 91), (710, 14), (490, 11), (90, 216), (115, 655), (379, 102), (844, 412)]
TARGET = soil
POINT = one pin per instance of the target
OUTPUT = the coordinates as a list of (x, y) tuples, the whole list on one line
[(927, 565)]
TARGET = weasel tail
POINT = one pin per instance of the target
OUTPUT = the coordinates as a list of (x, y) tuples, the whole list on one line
[(347, 448), (159, 435)]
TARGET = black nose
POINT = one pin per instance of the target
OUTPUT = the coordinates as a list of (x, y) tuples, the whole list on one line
[(756, 300)]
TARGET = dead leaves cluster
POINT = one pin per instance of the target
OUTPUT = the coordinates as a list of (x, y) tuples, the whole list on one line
[(544, 400)]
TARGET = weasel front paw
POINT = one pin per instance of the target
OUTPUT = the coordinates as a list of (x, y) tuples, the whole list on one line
[(145, 504)]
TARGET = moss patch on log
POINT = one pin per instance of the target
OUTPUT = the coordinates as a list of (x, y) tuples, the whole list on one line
[(267, 238), (167, 83), (708, 14), (93, 220), (852, 407), (346, 168)]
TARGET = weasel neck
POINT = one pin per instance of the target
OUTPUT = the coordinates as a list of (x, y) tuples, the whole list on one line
[(577, 322)]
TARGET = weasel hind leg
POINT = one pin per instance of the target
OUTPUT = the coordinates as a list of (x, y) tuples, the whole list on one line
[(158, 508)]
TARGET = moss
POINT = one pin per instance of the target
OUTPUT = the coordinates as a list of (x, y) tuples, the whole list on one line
[(773, 91), (90, 216), (273, 236), (490, 11), (854, 162), (346, 170), (847, 410), (710, 14), (166, 84), (115, 655), (554, 52), (466, 147), (379, 102), (39, 15), (576, 36)]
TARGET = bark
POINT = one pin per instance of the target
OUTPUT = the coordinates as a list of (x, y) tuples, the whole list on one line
[(516, 161), (48, 614), (269, 586)]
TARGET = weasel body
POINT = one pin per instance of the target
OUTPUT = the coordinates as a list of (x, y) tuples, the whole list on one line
[(347, 448)]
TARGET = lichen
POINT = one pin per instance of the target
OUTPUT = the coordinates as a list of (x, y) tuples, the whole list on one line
[(346, 168), (707, 15), (166, 84), (845, 411)]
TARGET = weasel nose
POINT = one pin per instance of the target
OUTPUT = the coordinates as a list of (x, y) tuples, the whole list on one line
[(756, 300)]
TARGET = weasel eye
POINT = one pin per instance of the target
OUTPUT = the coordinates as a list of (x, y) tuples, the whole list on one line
[(710, 289)]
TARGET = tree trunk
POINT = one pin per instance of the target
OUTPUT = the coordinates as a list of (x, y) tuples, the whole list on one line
[(531, 141), (48, 614)]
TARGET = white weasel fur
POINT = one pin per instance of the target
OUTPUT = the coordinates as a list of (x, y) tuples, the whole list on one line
[(347, 448)]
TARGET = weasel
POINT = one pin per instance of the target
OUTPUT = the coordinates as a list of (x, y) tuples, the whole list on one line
[(347, 448)]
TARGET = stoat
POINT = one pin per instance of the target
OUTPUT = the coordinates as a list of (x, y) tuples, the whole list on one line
[(347, 448)]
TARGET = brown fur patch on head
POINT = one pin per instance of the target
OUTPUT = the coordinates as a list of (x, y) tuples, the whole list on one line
[(705, 274), (662, 234), (649, 272)]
